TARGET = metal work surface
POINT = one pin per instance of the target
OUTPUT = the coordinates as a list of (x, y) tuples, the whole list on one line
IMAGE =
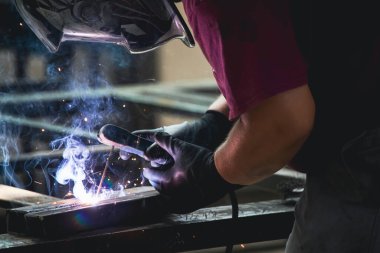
[(72, 216), (205, 228), (11, 196)]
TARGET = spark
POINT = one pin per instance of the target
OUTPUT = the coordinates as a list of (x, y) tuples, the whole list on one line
[(242, 245), (42, 130), (124, 106), (69, 195), (85, 119), (59, 69), (21, 24)]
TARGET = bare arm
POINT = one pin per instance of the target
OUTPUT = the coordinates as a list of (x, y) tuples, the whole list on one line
[(220, 105), (266, 137)]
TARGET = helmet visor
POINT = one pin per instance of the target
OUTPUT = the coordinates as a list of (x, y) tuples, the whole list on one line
[(139, 25)]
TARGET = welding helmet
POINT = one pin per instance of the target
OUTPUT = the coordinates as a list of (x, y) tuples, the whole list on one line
[(138, 25)]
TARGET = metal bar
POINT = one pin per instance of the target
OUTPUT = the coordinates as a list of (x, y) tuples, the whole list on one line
[(66, 217), (180, 96), (205, 228), (142, 91), (12, 196), (55, 153), (47, 126)]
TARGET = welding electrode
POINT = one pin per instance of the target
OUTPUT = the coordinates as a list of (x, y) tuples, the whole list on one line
[(105, 171)]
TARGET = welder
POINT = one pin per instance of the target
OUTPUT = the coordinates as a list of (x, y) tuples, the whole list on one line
[(299, 83)]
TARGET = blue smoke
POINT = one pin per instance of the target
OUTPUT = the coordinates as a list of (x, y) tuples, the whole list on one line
[(52, 126)]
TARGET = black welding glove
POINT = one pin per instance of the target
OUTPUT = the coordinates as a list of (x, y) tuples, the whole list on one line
[(191, 181), (208, 131)]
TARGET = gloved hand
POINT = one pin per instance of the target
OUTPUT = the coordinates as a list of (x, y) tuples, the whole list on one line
[(208, 131), (191, 181)]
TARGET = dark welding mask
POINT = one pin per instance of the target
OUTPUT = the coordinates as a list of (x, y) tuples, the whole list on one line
[(138, 25)]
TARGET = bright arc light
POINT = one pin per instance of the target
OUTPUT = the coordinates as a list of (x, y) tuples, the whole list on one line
[(75, 163)]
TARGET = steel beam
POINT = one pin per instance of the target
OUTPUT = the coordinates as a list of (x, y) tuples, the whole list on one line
[(70, 216), (205, 228)]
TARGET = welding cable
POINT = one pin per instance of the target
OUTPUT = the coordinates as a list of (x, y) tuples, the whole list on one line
[(235, 215)]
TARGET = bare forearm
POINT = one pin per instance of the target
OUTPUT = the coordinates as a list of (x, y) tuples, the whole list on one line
[(266, 138), (220, 105)]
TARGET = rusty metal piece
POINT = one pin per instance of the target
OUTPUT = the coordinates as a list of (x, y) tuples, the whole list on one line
[(139, 205)]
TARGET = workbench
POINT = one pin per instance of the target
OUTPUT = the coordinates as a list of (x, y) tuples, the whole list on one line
[(210, 227), (205, 228)]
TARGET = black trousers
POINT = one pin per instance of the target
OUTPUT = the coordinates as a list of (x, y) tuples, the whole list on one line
[(339, 211)]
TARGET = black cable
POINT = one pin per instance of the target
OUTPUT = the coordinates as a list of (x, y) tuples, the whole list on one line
[(235, 215)]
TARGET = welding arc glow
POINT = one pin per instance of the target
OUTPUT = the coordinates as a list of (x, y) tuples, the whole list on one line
[(77, 159), (78, 162)]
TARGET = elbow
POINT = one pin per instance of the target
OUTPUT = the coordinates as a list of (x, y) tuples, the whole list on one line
[(298, 132), (304, 123), (303, 129)]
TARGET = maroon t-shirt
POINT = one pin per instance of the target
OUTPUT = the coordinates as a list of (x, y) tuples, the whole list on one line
[(251, 47)]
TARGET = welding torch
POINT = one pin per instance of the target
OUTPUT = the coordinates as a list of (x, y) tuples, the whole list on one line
[(124, 140)]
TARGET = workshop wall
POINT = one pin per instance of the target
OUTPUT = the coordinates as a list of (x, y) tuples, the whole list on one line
[(178, 62), (175, 63)]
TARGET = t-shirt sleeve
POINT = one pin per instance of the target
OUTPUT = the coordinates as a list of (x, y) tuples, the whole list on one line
[(250, 46)]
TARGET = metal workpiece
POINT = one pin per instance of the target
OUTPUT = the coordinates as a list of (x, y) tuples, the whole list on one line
[(15, 197), (206, 228), (68, 217), (213, 226)]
